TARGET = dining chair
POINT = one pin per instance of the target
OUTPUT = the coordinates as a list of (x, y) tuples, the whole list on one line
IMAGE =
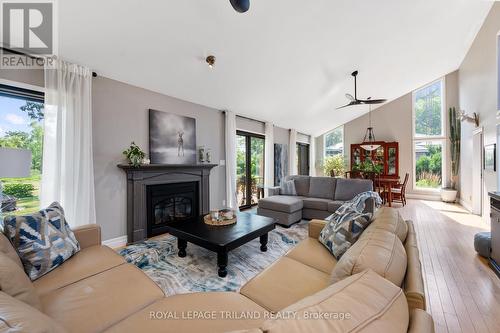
[(399, 191)]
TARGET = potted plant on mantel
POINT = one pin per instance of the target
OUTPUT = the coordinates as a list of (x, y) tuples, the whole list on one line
[(135, 155), (449, 194)]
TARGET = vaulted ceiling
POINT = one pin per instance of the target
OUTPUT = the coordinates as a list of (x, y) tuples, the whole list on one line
[(286, 61)]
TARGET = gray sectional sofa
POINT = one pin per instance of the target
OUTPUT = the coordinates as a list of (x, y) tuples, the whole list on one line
[(317, 198)]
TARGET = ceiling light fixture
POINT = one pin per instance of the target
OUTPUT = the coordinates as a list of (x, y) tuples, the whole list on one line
[(240, 6), (369, 139), (210, 61)]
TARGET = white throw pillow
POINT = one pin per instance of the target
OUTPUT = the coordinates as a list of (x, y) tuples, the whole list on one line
[(288, 188)]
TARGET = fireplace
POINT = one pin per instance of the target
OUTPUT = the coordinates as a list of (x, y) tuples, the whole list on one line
[(170, 202), (159, 193)]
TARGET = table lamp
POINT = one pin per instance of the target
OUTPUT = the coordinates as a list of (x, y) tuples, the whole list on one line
[(14, 163)]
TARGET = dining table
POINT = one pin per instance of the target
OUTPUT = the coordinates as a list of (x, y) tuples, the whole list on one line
[(388, 184)]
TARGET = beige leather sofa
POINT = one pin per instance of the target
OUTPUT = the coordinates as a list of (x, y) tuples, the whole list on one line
[(377, 287)]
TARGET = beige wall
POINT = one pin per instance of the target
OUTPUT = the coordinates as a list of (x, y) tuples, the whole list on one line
[(393, 122), (120, 116), (478, 93)]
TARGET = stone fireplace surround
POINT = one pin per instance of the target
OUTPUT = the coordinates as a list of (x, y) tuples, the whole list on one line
[(139, 178)]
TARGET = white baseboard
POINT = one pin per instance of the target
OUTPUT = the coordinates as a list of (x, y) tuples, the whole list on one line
[(117, 242), (465, 204)]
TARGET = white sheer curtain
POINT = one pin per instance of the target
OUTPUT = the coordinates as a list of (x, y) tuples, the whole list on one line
[(68, 168), (312, 156), (231, 194), (292, 165), (269, 156)]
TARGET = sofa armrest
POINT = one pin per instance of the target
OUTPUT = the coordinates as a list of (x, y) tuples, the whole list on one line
[(88, 235), (420, 322), (275, 190), (315, 227), (370, 206)]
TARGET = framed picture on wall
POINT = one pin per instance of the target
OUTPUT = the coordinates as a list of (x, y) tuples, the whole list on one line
[(490, 157), (172, 138)]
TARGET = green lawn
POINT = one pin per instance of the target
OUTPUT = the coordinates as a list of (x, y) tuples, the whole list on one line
[(29, 204)]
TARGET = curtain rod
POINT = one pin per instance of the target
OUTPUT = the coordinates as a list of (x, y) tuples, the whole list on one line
[(94, 74)]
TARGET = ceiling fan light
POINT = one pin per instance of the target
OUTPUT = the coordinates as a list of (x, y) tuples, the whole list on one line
[(369, 140)]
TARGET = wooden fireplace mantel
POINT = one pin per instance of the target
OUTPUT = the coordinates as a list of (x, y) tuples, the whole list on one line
[(146, 167), (139, 178)]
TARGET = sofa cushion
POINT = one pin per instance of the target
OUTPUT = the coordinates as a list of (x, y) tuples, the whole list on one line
[(389, 219), (381, 251), (15, 282), (89, 261), (346, 189), (218, 306), (7, 249), (364, 302), (316, 203), (334, 205), (301, 184), (322, 187), (43, 240), (97, 302), (342, 231), (282, 203), (283, 283), (312, 253), (19, 317)]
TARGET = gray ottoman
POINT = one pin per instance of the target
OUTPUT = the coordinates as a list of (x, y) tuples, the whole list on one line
[(482, 243)]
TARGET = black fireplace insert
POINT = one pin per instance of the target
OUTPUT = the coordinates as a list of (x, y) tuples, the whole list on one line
[(171, 202)]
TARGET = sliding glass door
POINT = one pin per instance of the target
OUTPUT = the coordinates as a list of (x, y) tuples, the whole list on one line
[(249, 168)]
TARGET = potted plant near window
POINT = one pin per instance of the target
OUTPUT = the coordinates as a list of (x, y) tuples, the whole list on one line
[(334, 166), (449, 194)]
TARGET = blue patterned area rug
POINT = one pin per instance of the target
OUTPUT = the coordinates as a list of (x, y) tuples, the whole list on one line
[(198, 270)]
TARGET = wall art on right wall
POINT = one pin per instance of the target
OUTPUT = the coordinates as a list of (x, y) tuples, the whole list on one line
[(490, 157)]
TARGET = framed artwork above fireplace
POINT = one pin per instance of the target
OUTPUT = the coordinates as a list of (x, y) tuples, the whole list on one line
[(172, 138)]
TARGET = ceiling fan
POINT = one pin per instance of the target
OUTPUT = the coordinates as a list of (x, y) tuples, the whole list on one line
[(240, 6), (355, 101)]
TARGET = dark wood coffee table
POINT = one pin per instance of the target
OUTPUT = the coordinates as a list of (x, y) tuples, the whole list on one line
[(222, 239)]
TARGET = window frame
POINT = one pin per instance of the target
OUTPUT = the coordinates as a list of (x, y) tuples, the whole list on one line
[(343, 141), (443, 138)]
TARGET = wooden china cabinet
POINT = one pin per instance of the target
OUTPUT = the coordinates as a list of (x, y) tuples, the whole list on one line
[(387, 155)]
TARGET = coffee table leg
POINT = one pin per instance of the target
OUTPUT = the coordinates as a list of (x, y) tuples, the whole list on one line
[(222, 263), (182, 244), (263, 243)]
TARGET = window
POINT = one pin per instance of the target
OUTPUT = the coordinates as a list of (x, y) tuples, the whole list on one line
[(21, 126), (429, 137), (334, 142)]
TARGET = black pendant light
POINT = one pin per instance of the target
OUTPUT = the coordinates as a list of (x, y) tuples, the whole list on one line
[(369, 139), (240, 6)]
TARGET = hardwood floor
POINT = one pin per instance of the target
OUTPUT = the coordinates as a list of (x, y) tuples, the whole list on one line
[(463, 293)]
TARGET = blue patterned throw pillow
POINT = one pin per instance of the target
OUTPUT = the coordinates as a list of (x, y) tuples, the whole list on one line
[(343, 230), (347, 223), (43, 240)]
